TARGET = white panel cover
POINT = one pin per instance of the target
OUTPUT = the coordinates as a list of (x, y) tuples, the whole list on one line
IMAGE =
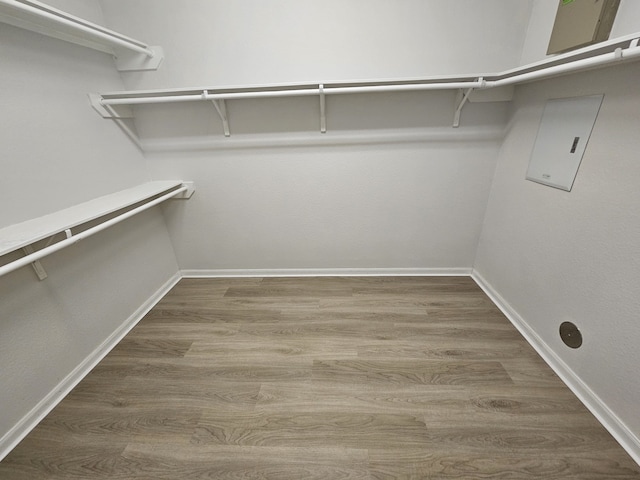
[(562, 140)]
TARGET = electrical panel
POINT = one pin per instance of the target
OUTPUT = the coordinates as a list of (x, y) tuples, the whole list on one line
[(581, 22), (563, 134)]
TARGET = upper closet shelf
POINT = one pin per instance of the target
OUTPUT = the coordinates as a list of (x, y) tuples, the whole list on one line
[(60, 224), (32, 15), (116, 105)]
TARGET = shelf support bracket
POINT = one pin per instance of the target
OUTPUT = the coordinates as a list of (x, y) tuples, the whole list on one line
[(190, 190), (323, 113), (129, 61), (465, 97), (36, 265), (632, 45), (118, 115), (221, 108)]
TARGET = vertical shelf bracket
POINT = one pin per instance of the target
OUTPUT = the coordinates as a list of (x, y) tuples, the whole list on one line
[(119, 115), (221, 108), (323, 114), (131, 61), (465, 97), (36, 265)]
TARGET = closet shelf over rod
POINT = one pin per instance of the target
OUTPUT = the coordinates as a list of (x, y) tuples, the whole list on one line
[(137, 199), (602, 54), (130, 54), (306, 90)]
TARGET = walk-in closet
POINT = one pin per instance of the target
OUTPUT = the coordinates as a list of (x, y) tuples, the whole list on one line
[(285, 239)]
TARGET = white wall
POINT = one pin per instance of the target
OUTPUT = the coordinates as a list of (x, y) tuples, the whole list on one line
[(326, 207), (218, 42), (627, 20), (390, 185), (278, 194), (575, 256), (56, 152), (543, 15), (88, 10)]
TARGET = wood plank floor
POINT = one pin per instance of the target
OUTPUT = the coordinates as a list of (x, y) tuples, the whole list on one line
[(321, 378)]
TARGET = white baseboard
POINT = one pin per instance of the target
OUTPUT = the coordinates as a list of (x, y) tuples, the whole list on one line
[(326, 272), (37, 413), (596, 406)]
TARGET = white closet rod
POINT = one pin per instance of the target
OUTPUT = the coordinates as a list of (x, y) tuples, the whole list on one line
[(10, 267), (328, 90), (32, 10), (604, 59), (448, 85), (508, 78)]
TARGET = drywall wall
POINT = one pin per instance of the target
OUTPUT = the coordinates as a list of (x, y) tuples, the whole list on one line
[(391, 184), (559, 256), (87, 10), (416, 206), (627, 19), (57, 152), (373, 198), (543, 14), (217, 42)]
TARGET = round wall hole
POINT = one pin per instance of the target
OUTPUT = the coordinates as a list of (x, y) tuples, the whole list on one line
[(570, 335)]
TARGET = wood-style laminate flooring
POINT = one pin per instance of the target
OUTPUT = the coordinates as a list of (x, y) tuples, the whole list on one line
[(321, 378)]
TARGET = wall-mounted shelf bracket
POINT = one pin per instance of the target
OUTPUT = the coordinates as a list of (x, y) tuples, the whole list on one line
[(130, 61), (109, 111), (221, 108), (118, 114), (465, 97), (323, 114), (188, 193), (41, 273)]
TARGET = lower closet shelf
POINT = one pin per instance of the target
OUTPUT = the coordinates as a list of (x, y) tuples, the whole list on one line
[(23, 235)]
